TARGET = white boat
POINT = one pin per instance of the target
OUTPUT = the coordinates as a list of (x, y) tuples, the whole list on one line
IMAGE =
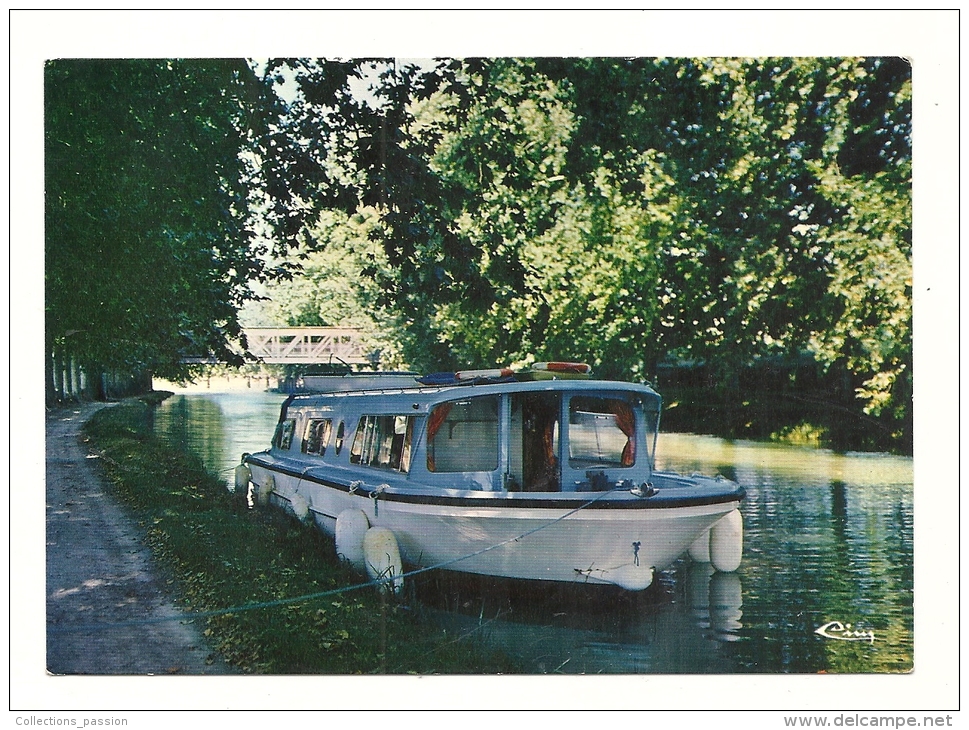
[(544, 475)]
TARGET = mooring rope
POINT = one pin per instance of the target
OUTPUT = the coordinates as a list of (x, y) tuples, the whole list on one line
[(192, 616)]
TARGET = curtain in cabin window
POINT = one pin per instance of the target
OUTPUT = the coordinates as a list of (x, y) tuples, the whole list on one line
[(434, 422), (626, 422)]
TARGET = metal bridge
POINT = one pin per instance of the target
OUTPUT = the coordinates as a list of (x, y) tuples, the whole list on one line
[(308, 345), (303, 345)]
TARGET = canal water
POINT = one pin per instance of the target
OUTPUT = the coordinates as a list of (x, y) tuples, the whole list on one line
[(826, 583)]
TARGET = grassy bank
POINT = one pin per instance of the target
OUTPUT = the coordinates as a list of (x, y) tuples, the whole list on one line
[(220, 554)]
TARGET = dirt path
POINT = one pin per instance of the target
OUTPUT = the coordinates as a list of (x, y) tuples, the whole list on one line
[(99, 572)]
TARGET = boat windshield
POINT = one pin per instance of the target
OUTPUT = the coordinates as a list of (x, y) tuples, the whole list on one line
[(602, 432), (553, 438), (612, 431)]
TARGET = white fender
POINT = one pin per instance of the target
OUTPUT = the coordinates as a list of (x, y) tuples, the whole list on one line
[(382, 556), (351, 526), (700, 549), (243, 475), (263, 490), (727, 542), (301, 508)]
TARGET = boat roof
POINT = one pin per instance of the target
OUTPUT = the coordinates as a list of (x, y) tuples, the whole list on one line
[(397, 387)]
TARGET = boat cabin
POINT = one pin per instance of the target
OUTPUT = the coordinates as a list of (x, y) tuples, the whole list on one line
[(544, 436)]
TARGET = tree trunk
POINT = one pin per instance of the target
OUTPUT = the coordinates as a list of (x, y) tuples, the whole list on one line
[(50, 392)]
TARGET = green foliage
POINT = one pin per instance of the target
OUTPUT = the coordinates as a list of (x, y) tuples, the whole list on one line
[(631, 211), (803, 434), (149, 244), (628, 212), (336, 285)]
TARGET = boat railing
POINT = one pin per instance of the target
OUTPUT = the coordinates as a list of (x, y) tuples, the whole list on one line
[(373, 384), (309, 393)]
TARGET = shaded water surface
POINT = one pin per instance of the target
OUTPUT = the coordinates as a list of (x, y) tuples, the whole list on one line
[(828, 546)]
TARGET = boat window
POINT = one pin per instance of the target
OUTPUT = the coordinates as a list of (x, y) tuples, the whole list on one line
[(602, 432), (462, 436), (384, 442), (316, 437), (339, 438), (284, 434)]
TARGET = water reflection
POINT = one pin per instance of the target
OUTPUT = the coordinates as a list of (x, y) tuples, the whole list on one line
[(678, 625), (715, 601), (828, 537), (219, 427)]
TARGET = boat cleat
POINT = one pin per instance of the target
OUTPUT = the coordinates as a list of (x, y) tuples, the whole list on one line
[(644, 490)]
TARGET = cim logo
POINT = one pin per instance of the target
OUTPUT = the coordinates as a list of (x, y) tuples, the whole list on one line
[(844, 632)]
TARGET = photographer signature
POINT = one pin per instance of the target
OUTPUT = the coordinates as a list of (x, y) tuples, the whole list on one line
[(844, 632)]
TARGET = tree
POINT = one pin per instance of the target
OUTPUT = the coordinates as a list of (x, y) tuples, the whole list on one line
[(868, 177), (331, 290), (722, 211), (565, 258), (150, 244), (793, 226)]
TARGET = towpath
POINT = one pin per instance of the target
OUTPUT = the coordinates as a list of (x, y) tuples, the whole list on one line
[(99, 573)]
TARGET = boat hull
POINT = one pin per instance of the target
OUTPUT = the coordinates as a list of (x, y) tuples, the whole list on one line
[(606, 538)]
